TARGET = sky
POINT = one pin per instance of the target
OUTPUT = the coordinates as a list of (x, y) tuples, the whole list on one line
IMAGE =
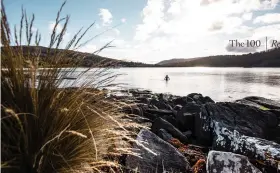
[(150, 31)]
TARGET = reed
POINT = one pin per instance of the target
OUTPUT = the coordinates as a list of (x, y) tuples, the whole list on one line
[(50, 129)]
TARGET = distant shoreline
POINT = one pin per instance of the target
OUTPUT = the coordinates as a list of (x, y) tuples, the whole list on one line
[(265, 59)]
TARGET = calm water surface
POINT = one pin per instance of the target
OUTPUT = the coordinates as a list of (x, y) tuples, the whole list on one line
[(221, 84)]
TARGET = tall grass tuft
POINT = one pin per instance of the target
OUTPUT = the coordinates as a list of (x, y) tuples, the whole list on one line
[(50, 129)]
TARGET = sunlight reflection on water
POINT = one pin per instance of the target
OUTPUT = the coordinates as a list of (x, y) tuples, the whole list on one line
[(221, 84)]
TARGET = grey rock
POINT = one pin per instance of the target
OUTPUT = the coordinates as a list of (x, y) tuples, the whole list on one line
[(249, 103), (254, 148), (240, 129), (155, 155), (199, 99), (180, 101), (133, 109), (160, 104), (177, 107), (171, 120), (188, 133), (271, 104), (142, 99), (247, 120), (159, 112), (164, 135), (225, 162), (150, 116), (186, 116), (207, 99), (160, 123)]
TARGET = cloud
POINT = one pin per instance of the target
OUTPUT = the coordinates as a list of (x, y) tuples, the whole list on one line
[(268, 18), (269, 32), (89, 48), (217, 26), (117, 32), (269, 4), (52, 24), (247, 16), (33, 29), (175, 8), (97, 26), (106, 16), (207, 2), (240, 6), (152, 18), (120, 43), (233, 24), (193, 28), (194, 18), (228, 25), (123, 20)]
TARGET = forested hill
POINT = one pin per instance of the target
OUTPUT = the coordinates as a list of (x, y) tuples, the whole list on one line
[(88, 59), (270, 58)]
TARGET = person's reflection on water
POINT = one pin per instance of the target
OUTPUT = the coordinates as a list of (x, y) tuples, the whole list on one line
[(166, 78)]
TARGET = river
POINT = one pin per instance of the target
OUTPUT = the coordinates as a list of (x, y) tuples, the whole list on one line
[(221, 84)]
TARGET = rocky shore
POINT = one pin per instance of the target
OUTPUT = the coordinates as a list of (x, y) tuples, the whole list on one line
[(196, 134)]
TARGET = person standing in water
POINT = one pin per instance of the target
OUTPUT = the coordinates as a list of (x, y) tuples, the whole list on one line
[(166, 78)]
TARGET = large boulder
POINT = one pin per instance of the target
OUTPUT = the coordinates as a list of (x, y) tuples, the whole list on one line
[(203, 131), (137, 92), (182, 101), (199, 99), (160, 123), (160, 102), (224, 162), (142, 99), (155, 155), (177, 107), (159, 112), (153, 114), (133, 109), (247, 120), (250, 103), (276, 112), (267, 103), (254, 148), (171, 120), (186, 116), (163, 134), (241, 129)]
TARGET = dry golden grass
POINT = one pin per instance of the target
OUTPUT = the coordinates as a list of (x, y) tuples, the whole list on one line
[(46, 129)]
